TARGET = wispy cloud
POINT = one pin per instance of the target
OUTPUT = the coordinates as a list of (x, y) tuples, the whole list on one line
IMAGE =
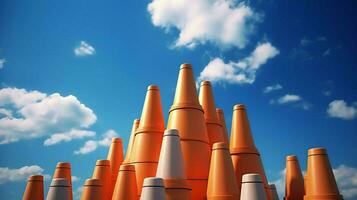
[(92, 145), (68, 136), (84, 49), (288, 98), (340, 109), (20, 174), (272, 88), (2, 63), (293, 100)]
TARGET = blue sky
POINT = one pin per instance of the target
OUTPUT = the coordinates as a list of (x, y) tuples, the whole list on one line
[(74, 73)]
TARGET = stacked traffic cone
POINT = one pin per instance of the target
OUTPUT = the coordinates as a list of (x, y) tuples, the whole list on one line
[(171, 167), (102, 172), (92, 190), (245, 156), (34, 188), (273, 192), (131, 141), (222, 184), (252, 188), (214, 126), (153, 189), (115, 156), (186, 115), (294, 182), (321, 184), (59, 189), (126, 187), (222, 120), (148, 137), (63, 170)]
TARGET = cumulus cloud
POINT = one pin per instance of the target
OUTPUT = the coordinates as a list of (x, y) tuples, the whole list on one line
[(293, 100), (220, 22), (288, 98), (340, 109), (68, 136), (272, 88), (39, 114), (5, 113), (92, 145), (20, 174), (241, 72), (2, 63), (84, 49)]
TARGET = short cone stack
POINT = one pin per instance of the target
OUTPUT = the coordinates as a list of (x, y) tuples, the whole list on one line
[(148, 137), (222, 120), (153, 189), (273, 192), (252, 188), (63, 170), (59, 189), (131, 142), (214, 126), (245, 156), (321, 182), (115, 156), (34, 188), (171, 167), (186, 115), (92, 190), (102, 172), (294, 182), (126, 187), (222, 184)]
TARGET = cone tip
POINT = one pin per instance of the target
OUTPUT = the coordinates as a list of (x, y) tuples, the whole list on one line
[(63, 165), (220, 145), (186, 65), (239, 107), (116, 139), (127, 168), (103, 163), (291, 158), (317, 151), (171, 132), (248, 178), (153, 87), (93, 182), (153, 181), (205, 83), (60, 182), (136, 121), (36, 178), (219, 110)]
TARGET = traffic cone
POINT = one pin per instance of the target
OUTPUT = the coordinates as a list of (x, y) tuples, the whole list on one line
[(222, 184), (59, 189), (321, 182), (171, 167), (273, 192), (220, 116), (294, 182), (214, 126), (252, 188), (153, 189), (115, 156), (92, 190), (34, 188), (131, 141), (63, 170), (148, 137), (245, 156), (126, 187), (102, 172), (186, 115)]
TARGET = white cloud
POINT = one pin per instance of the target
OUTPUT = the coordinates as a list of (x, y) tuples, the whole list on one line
[(220, 22), (5, 113), (84, 49), (288, 98), (68, 136), (2, 63), (20, 174), (243, 71), (272, 88), (75, 179), (92, 145), (39, 114), (293, 100), (339, 109)]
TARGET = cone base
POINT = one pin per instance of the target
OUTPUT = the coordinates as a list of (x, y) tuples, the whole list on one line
[(144, 170), (199, 188), (323, 197)]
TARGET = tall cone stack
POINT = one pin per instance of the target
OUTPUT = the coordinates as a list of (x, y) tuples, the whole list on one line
[(63, 170), (222, 120), (92, 190), (115, 156), (214, 126), (245, 156), (126, 187), (34, 188), (321, 182), (153, 189), (102, 172), (252, 188), (222, 184), (186, 115), (59, 189), (131, 141), (148, 137), (294, 181), (171, 167), (273, 192)]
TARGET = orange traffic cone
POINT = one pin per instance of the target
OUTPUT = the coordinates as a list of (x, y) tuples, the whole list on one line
[(186, 115), (214, 126), (222, 184), (102, 172), (115, 156), (294, 182), (153, 189), (252, 188), (59, 189), (220, 116), (245, 156), (171, 167), (273, 192), (131, 141), (34, 188), (321, 182), (63, 170), (148, 137), (92, 190), (126, 188)]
